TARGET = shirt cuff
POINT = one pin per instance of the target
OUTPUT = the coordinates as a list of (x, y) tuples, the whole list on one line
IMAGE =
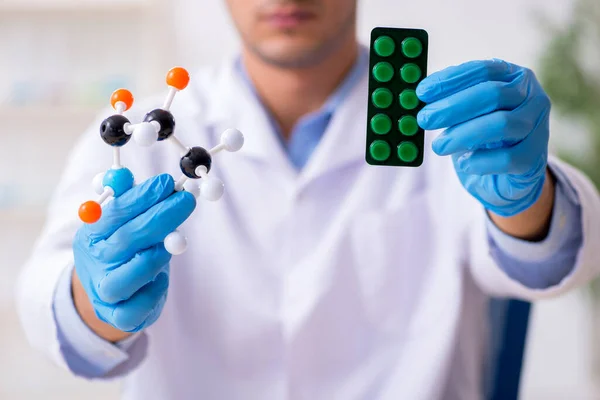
[(86, 353), (566, 222)]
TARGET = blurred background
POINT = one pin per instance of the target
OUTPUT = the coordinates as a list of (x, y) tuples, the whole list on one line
[(61, 59)]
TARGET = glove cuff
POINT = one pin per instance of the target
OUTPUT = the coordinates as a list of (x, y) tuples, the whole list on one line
[(518, 206)]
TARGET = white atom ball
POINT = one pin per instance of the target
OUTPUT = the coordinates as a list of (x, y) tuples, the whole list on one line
[(232, 139), (145, 134), (212, 189), (176, 243), (97, 183), (192, 187)]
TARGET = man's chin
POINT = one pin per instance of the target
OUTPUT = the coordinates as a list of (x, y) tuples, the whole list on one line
[(291, 54)]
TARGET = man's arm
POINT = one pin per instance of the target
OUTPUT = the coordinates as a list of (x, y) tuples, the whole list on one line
[(87, 354), (532, 224), (496, 116), (543, 261), (88, 315), (39, 283), (44, 292), (565, 259)]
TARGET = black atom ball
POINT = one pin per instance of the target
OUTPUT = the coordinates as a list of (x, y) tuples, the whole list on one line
[(111, 130), (166, 121), (196, 157)]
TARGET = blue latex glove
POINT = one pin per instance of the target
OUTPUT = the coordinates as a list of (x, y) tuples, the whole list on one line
[(497, 116), (121, 260)]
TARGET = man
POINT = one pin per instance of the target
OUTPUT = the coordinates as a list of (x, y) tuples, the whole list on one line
[(317, 276)]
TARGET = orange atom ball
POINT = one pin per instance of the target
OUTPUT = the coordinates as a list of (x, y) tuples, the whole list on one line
[(178, 78), (90, 212), (122, 95)]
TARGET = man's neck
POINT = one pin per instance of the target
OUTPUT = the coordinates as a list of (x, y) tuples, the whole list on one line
[(289, 94)]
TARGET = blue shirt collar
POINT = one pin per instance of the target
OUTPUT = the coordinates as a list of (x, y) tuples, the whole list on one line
[(309, 130), (338, 96)]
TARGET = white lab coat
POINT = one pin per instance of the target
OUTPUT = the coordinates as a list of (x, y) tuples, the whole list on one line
[(345, 281)]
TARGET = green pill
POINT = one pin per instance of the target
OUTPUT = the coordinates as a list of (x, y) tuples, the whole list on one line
[(384, 46), (409, 99), (383, 71), (412, 47), (381, 124), (380, 150), (410, 73), (408, 125), (382, 98), (407, 152)]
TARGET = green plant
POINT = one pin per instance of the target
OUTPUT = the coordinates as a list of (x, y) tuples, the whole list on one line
[(570, 73)]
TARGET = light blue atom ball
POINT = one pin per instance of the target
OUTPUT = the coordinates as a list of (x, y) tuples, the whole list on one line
[(119, 180)]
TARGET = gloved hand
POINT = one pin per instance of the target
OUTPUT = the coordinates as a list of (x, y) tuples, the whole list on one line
[(121, 261), (497, 116)]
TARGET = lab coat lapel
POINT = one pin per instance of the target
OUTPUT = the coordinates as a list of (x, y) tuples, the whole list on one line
[(343, 143), (232, 104)]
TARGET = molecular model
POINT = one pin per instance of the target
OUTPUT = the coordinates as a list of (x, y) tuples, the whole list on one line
[(158, 126)]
